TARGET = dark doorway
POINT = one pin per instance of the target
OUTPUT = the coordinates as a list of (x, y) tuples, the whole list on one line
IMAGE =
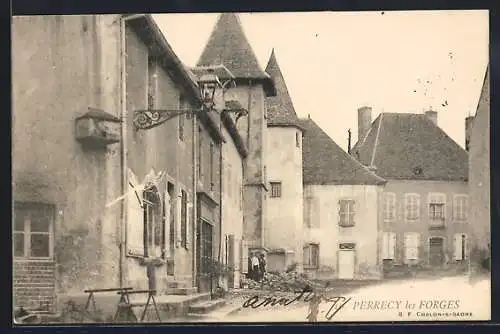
[(205, 254), (436, 251), (230, 260)]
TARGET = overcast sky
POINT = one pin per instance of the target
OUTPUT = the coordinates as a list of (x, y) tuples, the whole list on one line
[(335, 62)]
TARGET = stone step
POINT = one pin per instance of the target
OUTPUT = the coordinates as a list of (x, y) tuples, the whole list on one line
[(206, 306), (178, 284), (182, 291)]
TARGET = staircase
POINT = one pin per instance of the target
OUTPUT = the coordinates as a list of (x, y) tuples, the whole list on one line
[(180, 288)]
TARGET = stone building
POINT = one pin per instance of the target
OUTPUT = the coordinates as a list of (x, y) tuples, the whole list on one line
[(342, 223), (284, 213), (228, 46), (478, 131), (98, 207), (425, 200)]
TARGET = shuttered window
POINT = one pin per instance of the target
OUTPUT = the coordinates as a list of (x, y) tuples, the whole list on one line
[(437, 206), (460, 246), (389, 206), (346, 212), (388, 245), (311, 256), (412, 207), (460, 207)]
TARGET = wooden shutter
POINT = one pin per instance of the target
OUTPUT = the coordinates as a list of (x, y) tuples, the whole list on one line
[(457, 246), (178, 219), (407, 245), (135, 218), (416, 246), (392, 245), (166, 222), (189, 221), (385, 245), (466, 240), (230, 250)]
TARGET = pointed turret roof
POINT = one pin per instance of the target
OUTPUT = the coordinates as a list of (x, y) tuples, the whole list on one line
[(280, 110), (228, 46)]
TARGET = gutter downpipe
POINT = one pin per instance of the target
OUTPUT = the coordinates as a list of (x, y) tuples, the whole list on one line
[(195, 202), (124, 148)]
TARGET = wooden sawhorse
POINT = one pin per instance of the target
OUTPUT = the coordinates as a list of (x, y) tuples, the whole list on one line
[(125, 306), (91, 298)]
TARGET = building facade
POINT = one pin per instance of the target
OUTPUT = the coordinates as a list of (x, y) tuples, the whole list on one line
[(228, 46), (342, 223), (479, 177), (425, 201), (143, 209), (284, 212)]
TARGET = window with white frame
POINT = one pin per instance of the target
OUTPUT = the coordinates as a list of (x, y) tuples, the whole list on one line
[(460, 246), (412, 207), (437, 206), (33, 228), (275, 189), (346, 212), (460, 207), (311, 255), (389, 206), (388, 245), (412, 246)]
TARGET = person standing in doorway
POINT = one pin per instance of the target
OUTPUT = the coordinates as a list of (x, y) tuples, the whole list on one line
[(255, 267)]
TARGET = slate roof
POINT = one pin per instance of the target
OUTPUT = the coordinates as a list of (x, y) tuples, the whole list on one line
[(411, 147), (280, 110), (324, 162), (228, 46)]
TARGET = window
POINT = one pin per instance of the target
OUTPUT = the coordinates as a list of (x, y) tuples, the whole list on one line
[(311, 256), (412, 206), (412, 245), (275, 189), (32, 232), (152, 82), (297, 139), (346, 213), (153, 222), (212, 167), (460, 207), (184, 213), (460, 246), (389, 206), (200, 153), (437, 206), (388, 245)]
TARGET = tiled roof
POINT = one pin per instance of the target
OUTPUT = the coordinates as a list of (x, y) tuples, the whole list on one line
[(411, 146), (324, 162), (228, 46), (280, 110)]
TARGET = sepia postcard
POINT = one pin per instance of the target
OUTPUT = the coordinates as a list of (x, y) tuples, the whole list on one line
[(251, 167)]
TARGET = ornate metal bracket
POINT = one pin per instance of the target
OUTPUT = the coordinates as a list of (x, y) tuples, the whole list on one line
[(147, 119)]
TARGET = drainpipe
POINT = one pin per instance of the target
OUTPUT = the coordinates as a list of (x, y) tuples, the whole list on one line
[(195, 201), (124, 148)]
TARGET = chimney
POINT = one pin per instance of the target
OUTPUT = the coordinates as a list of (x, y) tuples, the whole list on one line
[(432, 115), (349, 141), (469, 121), (364, 121)]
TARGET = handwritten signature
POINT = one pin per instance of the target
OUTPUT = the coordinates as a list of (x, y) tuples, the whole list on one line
[(306, 295)]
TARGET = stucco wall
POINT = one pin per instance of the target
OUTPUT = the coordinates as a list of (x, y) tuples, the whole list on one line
[(423, 188), (55, 80), (328, 234), (284, 216), (479, 172), (232, 203), (254, 131)]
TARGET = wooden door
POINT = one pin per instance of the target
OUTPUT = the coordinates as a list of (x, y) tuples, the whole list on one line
[(436, 251)]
